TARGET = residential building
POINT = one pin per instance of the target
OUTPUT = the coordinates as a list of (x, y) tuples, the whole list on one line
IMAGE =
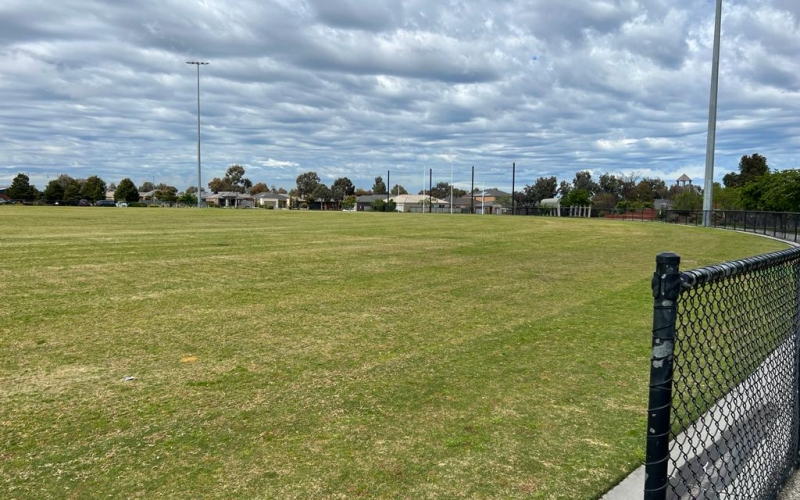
[(277, 201)]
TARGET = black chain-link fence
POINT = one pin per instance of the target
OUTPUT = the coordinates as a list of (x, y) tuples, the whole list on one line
[(723, 414), (781, 225)]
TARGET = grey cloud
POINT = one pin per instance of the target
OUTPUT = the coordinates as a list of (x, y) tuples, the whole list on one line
[(375, 15), (103, 88)]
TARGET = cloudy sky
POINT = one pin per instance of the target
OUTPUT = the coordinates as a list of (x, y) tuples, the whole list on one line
[(358, 87)]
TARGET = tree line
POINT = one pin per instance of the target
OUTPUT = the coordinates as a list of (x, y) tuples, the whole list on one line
[(754, 187), (70, 190)]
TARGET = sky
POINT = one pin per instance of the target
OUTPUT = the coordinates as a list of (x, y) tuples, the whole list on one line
[(356, 88)]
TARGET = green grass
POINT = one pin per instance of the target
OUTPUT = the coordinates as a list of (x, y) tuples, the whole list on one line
[(326, 355)]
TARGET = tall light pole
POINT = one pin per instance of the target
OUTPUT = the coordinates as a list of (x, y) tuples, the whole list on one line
[(198, 64), (708, 185)]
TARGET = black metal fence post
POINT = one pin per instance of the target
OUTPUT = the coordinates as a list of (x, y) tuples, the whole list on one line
[(666, 287)]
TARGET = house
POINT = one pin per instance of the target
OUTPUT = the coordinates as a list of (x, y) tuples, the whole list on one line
[(416, 202), (277, 201), (364, 202), (662, 204), (488, 195), (3, 195), (230, 199), (147, 195)]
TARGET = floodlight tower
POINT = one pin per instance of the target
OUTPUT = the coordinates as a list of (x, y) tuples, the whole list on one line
[(198, 64)]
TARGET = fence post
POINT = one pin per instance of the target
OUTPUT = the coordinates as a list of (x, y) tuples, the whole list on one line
[(666, 286)]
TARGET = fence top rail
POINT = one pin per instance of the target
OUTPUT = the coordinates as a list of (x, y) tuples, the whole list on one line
[(718, 272), (732, 211)]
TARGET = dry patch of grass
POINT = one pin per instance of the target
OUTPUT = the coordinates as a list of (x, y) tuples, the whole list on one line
[(326, 355)]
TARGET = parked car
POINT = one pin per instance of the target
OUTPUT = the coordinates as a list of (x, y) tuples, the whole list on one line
[(105, 203), (84, 203), (122, 204)]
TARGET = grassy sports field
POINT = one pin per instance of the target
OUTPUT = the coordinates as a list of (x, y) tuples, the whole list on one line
[(326, 355)]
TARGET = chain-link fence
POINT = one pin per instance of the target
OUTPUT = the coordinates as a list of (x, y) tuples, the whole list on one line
[(782, 225), (723, 410)]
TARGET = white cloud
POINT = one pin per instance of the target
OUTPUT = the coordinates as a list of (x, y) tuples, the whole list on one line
[(269, 162), (354, 89)]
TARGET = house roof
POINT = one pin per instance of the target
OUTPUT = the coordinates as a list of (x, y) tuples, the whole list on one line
[(369, 198), (271, 196), (684, 178), (415, 198), (493, 192), (464, 200), (229, 194)]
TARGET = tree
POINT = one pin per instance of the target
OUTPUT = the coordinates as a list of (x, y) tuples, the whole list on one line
[(21, 189), (341, 188), (126, 191), (216, 185), (398, 189), (321, 193), (612, 185), (381, 205), (233, 180), (306, 183), (688, 199), (727, 198), (147, 186), (235, 174), (259, 187), (188, 198), (93, 189), (583, 180), (527, 197), (776, 191), (349, 202), (73, 191), (564, 188), (112, 187), (167, 194), (542, 189), (605, 201), (577, 197), (442, 191), (751, 168), (379, 187), (54, 191), (627, 187)]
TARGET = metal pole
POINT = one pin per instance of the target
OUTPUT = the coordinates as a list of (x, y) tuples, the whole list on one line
[(513, 180), (451, 187), (708, 187), (430, 191), (198, 64), (472, 193), (388, 184), (666, 287)]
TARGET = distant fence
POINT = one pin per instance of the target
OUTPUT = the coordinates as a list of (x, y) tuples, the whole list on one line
[(723, 406), (782, 225)]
